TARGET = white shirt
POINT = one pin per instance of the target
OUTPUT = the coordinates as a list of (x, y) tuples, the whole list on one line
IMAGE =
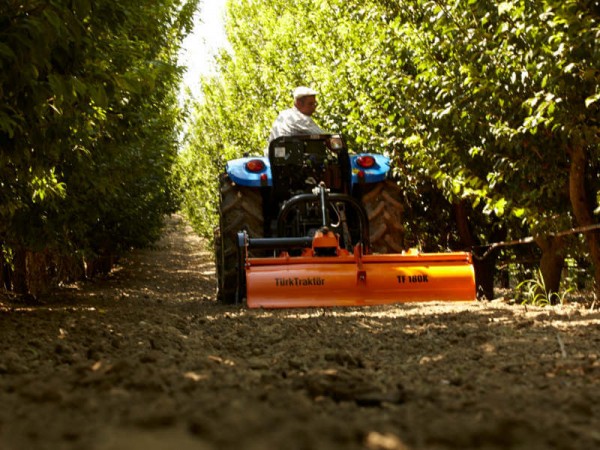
[(291, 122)]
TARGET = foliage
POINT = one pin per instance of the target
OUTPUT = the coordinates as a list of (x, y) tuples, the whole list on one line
[(479, 103), (88, 122), (533, 291)]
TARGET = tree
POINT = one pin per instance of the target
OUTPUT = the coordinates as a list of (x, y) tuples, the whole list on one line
[(530, 67), (88, 127)]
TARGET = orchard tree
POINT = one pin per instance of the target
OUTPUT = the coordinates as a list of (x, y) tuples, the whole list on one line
[(518, 84), (88, 129)]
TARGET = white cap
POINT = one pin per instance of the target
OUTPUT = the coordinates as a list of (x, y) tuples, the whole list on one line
[(303, 91)]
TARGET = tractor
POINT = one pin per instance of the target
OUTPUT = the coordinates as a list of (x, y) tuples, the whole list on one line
[(312, 224)]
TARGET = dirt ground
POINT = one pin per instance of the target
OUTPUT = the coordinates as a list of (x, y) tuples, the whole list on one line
[(145, 359)]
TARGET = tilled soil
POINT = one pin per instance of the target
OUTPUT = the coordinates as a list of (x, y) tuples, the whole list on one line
[(146, 359)]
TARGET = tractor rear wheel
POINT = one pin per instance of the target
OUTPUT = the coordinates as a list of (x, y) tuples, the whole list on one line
[(240, 208), (383, 203)]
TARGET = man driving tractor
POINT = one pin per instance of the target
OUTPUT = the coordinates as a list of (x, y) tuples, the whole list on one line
[(297, 120)]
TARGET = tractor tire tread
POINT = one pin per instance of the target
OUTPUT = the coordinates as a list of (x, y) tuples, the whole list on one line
[(240, 209), (383, 203)]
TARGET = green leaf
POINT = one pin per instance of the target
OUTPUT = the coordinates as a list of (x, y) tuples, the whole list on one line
[(499, 207), (504, 7), (518, 212), (6, 52), (591, 100)]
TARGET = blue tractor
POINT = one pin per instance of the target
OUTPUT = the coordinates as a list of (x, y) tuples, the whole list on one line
[(304, 184)]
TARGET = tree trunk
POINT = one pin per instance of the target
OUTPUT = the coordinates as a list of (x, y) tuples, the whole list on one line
[(582, 207), (39, 264), (19, 275), (484, 267), (552, 262), (4, 272)]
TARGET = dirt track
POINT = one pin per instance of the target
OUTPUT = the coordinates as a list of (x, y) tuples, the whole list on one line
[(146, 360)]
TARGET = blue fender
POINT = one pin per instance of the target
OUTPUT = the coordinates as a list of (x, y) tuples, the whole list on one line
[(239, 174), (378, 172)]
